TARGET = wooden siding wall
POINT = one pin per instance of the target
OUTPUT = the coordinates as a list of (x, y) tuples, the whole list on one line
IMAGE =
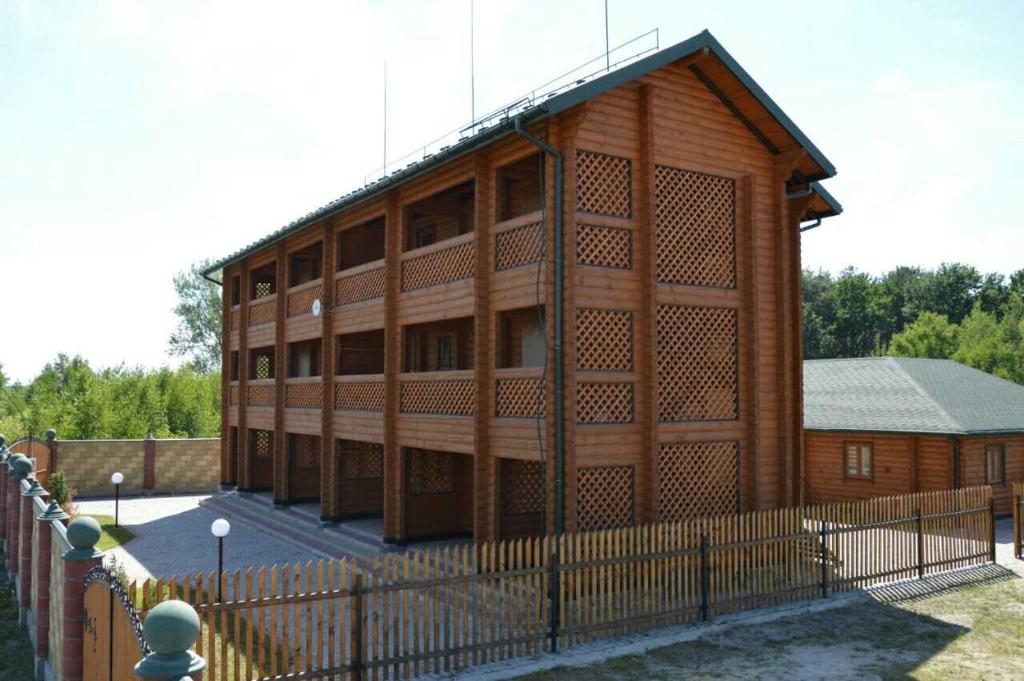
[(972, 466), (735, 445)]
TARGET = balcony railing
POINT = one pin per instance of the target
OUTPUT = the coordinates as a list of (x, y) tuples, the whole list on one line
[(518, 242), (303, 393), (260, 393), (263, 310), (444, 393), (359, 393), (233, 393), (301, 297), (356, 284), (519, 393), (441, 263)]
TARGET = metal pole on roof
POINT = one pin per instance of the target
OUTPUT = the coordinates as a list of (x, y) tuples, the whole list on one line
[(472, 72), (607, 45), (385, 166)]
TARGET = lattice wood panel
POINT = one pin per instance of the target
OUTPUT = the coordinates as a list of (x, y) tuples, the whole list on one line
[(603, 184), (438, 267), (431, 472), (604, 246), (519, 397), (301, 302), (604, 497), (262, 289), (695, 225), (262, 445), (263, 313), (303, 395), (233, 395), (235, 315), (522, 487), (697, 479), (359, 287), (447, 397), (262, 366), (604, 340), (697, 363), (361, 396), (305, 451), (361, 460), (260, 395), (604, 402), (518, 246)]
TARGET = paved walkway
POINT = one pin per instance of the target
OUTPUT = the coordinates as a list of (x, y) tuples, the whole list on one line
[(172, 538)]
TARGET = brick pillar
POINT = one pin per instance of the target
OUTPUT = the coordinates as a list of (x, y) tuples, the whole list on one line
[(149, 464), (27, 523), (42, 588), (3, 502), (13, 524), (51, 443), (83, 533)]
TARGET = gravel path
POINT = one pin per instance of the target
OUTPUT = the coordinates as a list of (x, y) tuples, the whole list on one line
[(172, 538)]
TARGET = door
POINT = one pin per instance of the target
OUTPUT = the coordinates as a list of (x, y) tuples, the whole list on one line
[(111, 631)]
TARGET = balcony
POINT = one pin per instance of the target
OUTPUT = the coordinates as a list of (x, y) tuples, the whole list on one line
[(440, 393), (233, 394), (440, 263), (301, 297), (263, 310), (359, 392), (360, 283), (260, 393), (518, 242), (303, 393), (519, 393)]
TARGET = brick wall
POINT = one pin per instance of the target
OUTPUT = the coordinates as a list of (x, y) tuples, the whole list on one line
[(182, 465)]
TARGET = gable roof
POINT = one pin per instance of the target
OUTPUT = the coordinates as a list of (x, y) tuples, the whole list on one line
[(903, 395), (719, 72)]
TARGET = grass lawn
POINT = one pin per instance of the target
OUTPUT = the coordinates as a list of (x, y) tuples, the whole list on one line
[(16, 662), (112, 537), (973, 632)]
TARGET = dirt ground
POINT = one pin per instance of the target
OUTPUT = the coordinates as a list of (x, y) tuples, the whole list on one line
[(951, 632)]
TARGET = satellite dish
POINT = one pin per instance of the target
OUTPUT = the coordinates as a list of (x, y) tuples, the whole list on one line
[(316, 307)]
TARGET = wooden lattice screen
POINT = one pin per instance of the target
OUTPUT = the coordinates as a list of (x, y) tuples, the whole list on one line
[(301, 302), (519, 397), (604, 340), (262, 366), (604, 246), (260, 395), (522, 487), (598, 402), (448, 397), (358, 287), (518, 246), (305, 452), (361, 396), (604, 497), (697, 479), (361, 460), (439, 267), (263, 313), (431, 472), (603, 184), (697, 363), (695, 218), (233, 395), (261, 444), (303, 395)]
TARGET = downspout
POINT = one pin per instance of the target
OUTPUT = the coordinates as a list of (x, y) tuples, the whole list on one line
[(559, 378), (956, 461), (211, 279)]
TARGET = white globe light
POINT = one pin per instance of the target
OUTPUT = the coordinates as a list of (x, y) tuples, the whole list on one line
[(117, 478), (220, 528)]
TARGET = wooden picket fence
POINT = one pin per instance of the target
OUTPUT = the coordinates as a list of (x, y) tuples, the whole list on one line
[(1017, 499), (439, 610)]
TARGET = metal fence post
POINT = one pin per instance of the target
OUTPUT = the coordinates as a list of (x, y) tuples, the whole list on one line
[(823, 540), (920, 544), (356, 643), (1018, 516), (553, 595), (704, 586), (992, 529)]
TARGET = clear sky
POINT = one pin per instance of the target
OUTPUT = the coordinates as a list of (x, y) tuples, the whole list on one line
[(138, 137)]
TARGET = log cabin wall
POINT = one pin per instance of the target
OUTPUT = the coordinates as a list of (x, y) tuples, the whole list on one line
[(973, 466), (682, 343)]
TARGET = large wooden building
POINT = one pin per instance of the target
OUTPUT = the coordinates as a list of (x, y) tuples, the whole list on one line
[(879, 426), (594, 300)]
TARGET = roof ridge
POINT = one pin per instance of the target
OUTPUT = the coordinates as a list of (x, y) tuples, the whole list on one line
[(923, 392)]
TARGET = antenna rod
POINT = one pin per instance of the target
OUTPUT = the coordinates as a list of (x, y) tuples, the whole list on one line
[(472, 72), (385, 167), (607, 45)]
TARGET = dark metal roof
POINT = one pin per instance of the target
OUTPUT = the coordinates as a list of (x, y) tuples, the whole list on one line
[(554, 105), (904, 395)]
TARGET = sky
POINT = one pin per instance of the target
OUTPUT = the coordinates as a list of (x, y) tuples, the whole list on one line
[(139, 137)]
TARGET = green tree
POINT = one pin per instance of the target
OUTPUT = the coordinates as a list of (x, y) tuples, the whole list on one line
[(931, 336), (992, 344), (854, 330), (198, 335)]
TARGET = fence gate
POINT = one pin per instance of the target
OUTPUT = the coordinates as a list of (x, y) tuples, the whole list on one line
[(1018, 518), (112, 633)]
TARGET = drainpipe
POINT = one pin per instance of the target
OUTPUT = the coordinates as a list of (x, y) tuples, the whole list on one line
[(211, 279), (956, 461), (559, 378)]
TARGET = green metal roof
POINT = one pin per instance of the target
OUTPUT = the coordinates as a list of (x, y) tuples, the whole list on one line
[(554, 105), (903, 395)]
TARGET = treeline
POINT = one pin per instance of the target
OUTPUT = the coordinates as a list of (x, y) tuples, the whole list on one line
[(952, 312), (116, 403)]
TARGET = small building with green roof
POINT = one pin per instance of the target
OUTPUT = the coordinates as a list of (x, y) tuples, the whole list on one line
[(877, 426)]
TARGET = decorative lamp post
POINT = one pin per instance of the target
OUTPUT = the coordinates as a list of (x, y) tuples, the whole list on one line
[(220, 528), (117, 478)]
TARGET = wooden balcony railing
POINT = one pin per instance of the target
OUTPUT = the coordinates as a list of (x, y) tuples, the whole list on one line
[(519, 393), (518, 242), (444, 393), (260, 393), (263, 310), (356, 284), (303, 393), (235, 315), (301, 297), (441, 263), (359, 393), (233, 393)]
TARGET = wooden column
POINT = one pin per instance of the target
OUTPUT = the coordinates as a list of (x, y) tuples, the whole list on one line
[(567, 145), (648, 506), (915, 471), (394, 464), (554, 139), (281, 486), (329, 502), (228, 476), (244, 469), (484, 466), (751, 354)]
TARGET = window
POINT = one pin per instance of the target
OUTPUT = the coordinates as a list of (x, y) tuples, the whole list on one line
[(859, 461), (261, 363), (995, 464), (304, 359), (444, 353), (426, 236)]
